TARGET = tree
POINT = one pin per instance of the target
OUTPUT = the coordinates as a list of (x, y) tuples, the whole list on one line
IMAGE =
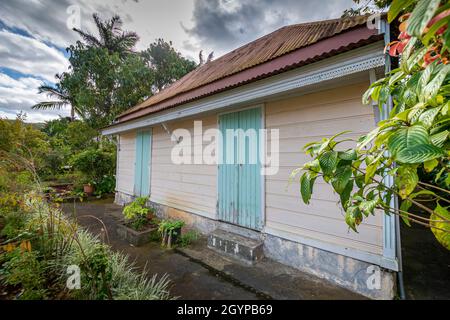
[(366, 7), (61, 98), (111, 36), (412, 146), (167, 64), (104, 84)]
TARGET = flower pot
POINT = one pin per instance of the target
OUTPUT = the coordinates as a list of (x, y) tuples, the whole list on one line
[(88, 189)]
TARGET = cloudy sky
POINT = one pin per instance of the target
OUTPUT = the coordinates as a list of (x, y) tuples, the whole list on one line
[(35, 33)]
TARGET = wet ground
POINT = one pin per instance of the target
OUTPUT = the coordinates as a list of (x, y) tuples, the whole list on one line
[(199, 273)]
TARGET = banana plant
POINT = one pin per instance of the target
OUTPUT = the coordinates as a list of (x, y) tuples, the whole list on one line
[(410, 147)]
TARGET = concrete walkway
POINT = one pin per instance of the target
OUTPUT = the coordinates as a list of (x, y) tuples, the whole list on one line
[(199, 273)]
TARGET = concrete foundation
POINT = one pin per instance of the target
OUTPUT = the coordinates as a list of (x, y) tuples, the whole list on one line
[(367, 279)]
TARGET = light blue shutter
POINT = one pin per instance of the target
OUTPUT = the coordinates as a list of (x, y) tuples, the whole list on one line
[(142, 163), (240, 184)]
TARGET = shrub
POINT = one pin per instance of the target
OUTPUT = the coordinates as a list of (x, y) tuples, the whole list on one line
[(188, 238), (94, 164), (106, 185), (169, 231), (24, 269), (136, 214)]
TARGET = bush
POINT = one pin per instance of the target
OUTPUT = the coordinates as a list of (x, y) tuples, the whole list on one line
[(106, 185), (94, 164), (24, 269), (136, 214)]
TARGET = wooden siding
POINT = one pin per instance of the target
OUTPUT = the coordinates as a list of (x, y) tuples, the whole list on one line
[(192, 188), (310, 118), (125, 163)]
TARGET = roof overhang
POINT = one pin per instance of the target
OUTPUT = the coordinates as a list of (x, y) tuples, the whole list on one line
[(338, 66)]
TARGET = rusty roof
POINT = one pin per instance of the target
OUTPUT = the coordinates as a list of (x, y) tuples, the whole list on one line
[(217, 75)]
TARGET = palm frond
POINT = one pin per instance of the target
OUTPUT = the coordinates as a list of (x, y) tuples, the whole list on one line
[(49, 105), (88, 38)]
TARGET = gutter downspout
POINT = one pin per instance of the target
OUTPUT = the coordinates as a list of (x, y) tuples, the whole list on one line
[(398, 246)]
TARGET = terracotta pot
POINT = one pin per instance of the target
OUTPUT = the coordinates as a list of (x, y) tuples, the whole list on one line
[(88, 189)]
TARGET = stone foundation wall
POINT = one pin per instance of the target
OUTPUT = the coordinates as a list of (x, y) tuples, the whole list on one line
[(359, 276)]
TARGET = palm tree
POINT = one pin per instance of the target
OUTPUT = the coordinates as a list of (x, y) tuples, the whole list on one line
[(61, 99), (112, 37)]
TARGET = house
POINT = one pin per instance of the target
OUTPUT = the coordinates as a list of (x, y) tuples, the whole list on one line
[(296, 85)]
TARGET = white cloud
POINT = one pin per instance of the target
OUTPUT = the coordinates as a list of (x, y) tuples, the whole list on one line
[(19, 95), (29, 56)]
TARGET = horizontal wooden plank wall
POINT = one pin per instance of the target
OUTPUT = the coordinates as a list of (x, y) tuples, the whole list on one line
[(192, 188), (310, 118), (125, 163)]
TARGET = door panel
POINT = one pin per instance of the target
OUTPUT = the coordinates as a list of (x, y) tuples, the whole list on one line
[(142, 164), (240, 181)]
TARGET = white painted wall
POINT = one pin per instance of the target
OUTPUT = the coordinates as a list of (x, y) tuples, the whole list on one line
[(191, 188), (125, 162), (310, 118)]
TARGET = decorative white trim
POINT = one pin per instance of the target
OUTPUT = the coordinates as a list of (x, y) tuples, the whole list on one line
[(376, 259), (345, 64)]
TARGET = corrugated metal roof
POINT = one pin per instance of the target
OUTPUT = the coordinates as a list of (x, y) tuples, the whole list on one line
[(265, 49)]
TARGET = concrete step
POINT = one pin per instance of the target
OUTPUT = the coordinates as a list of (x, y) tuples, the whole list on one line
[(236, 246)]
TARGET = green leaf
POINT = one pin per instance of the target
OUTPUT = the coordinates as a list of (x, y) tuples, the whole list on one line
[(432, 88), (397, 6), (345, 194), (443, 236), (406, 204), (407, 137), (428, 116), (328, 161), (425, 76), (421, 15), (368, 207), (348, 155), (409, 63), (419, 153), (368, 138), (406, 180), (340, 180), (305, 188), (370, 171), (430, 165), (439, 139), (353, 217)]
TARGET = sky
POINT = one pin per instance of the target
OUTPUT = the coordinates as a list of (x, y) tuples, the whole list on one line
[(35, 33)]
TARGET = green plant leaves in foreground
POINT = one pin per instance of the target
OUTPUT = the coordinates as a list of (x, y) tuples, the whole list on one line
[(412, 145), (441, 229)]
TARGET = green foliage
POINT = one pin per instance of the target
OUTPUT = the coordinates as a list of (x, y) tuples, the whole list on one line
[(411, 147), (170, 231), (56, 243), (167, 64), (136, 214), (106, 185), (188, 238), (94, 164), (104, 84), (25, 269)]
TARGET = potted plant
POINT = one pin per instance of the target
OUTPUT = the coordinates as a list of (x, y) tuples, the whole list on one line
[(94, 165), (170, 231), (88, 187), (138, 223)]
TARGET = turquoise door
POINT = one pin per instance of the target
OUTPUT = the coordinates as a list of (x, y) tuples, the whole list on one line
[(142, 163), (240, 169)]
